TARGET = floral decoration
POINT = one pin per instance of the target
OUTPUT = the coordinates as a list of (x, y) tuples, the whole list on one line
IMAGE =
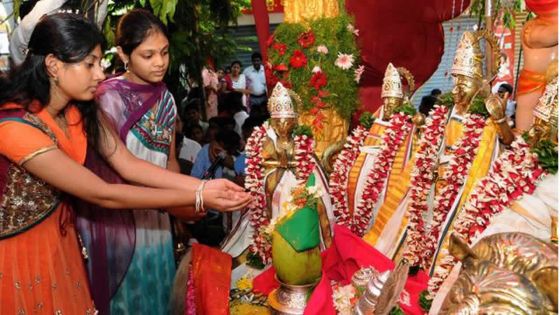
[(304, 50), (344, 298), (392, 139), (254, 182), (338, 179), (514, 173), (307, 39), (298, 59), (421, 179), (344, 61)]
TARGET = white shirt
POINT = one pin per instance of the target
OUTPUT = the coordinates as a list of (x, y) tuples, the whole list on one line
[(22, 33), (189, 150), (239, 118), (256, 80)]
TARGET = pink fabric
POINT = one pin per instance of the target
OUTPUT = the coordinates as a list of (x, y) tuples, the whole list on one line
[(340, 261)]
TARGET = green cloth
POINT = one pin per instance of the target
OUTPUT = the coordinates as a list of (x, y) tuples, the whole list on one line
[(301, 230)]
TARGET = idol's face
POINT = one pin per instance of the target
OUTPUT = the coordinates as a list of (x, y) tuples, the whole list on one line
[(463, 91), (283, 126)]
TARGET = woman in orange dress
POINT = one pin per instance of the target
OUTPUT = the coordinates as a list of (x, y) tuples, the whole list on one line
[(47, 120)]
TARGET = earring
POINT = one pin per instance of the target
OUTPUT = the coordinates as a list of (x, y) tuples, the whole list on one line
[(126, 66), (55, 80)]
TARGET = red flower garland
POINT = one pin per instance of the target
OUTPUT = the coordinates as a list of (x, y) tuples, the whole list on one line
[(454, 177), (303, 155), (298, 59), (254, 182), (421, 179), (392, 139), (514, 173), (338, 180)]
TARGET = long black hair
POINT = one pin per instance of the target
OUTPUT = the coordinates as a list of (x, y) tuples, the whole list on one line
[(69, 38), (135, 26)]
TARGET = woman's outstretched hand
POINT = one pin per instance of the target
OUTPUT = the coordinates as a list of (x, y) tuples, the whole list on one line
[(225, 196)]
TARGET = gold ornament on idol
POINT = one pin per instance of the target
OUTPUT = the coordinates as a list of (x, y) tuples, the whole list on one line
[(467, 69)]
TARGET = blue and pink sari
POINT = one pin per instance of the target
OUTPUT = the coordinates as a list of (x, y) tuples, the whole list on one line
[(131, 263)]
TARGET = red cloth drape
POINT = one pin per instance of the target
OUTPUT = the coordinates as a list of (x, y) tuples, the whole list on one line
[(407, 33), (262, 24)]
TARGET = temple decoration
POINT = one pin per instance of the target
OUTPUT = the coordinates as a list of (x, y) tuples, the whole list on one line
[(300, 11), (322, 68)]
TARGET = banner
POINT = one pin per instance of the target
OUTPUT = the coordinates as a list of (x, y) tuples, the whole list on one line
[(506, 41)]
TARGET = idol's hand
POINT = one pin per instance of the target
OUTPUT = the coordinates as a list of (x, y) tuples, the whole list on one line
[(496, 106)]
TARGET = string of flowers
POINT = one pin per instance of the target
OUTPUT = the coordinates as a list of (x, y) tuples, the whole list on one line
[(421, 179), (254, 182), (392, 139), (338, 180), (303, 153), (454, 177), (514, 173)]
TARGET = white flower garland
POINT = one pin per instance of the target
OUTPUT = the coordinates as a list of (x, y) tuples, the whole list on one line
[(254, 182), (338, 180), (392, 139), (454, 176), (421, 179), (303, 155), (514, 173)]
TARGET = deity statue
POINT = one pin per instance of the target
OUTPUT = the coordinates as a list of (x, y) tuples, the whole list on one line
[(534, 213), (387, 207), (276, 149), (469, 91), (506, 273), (539, 40)]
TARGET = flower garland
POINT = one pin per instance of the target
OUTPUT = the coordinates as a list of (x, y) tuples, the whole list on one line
[(254, 182), (338, 180), (303, 155), (422, 177), (344, 298), (454, 176), (514, 173), (392, 139)]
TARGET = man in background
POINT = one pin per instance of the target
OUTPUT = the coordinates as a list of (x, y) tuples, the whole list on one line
[(256, 81)]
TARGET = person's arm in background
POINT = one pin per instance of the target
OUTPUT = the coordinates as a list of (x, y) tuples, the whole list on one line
[(22, 33)]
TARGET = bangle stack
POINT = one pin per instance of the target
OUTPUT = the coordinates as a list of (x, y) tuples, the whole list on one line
[(199, 200)]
